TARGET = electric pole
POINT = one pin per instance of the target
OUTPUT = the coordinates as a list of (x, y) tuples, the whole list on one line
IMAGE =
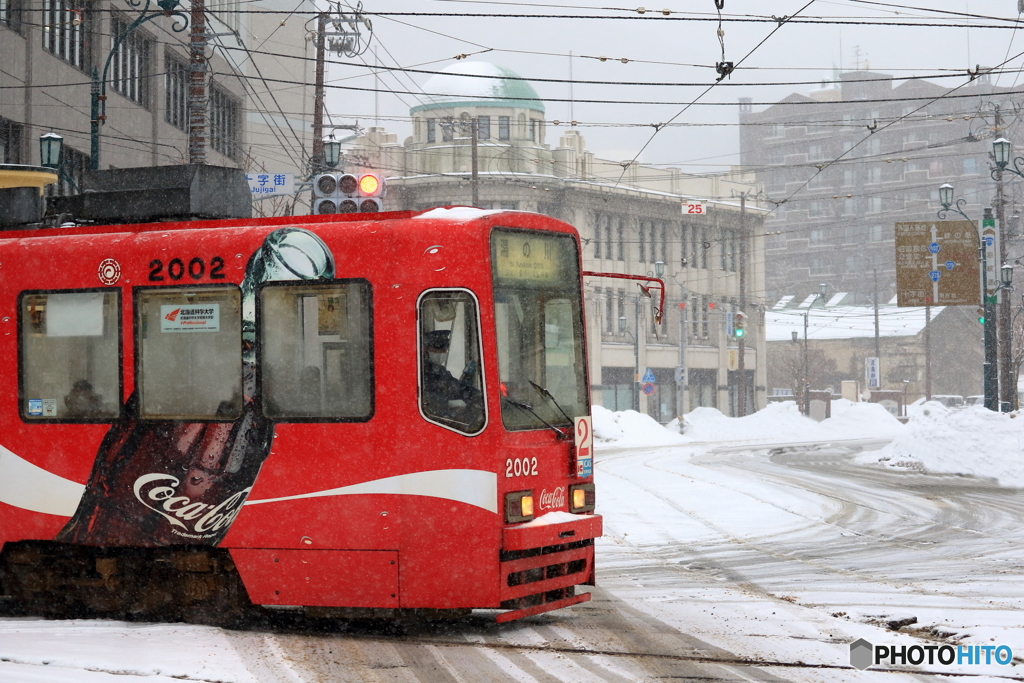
[(197, 85)]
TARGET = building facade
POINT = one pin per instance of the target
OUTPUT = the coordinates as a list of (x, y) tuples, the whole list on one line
[(630, 216), (50, 49), (846, 163)]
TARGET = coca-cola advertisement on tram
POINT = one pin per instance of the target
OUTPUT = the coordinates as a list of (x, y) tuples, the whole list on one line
[(177, 466)]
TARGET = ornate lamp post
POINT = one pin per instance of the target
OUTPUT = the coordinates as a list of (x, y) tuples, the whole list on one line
[(168, 8), (1002, 151), (990, 380)]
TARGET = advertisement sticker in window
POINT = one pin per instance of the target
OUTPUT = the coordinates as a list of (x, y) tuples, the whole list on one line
[(196, 318)]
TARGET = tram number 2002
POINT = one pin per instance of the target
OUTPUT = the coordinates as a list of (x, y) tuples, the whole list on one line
[(520, 467), (176, 269)]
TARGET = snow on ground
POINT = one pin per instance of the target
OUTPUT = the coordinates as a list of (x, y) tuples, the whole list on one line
[(972, 441)]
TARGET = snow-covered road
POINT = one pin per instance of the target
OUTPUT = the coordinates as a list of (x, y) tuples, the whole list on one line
[(791, 553)]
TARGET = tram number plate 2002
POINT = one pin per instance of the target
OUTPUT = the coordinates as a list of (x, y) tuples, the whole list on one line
[(176, 269), (520, 467)]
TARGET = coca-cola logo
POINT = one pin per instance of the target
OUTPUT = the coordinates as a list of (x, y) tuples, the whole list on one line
[(157, 492), (552, 499)]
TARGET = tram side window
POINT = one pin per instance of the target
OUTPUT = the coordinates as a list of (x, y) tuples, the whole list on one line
[(316, 355), (451, 385), (70, 364), (190, 353)]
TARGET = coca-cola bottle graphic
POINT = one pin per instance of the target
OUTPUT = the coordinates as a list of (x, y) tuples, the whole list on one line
[(171, 482)]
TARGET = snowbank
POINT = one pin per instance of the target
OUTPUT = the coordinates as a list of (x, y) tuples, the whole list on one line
[(778, 422), (970, 440)]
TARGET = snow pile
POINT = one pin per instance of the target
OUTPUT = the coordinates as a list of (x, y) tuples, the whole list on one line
[(778, 422), (971, 440), (628, 428)]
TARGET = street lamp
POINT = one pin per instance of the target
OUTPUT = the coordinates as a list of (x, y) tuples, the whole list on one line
[(50, 145), (1002, 151), (990, 381), (332, 151), (636, 354), (168, 8)]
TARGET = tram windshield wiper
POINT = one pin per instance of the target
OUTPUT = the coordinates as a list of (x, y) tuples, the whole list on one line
[(547, 394), (528, 408)]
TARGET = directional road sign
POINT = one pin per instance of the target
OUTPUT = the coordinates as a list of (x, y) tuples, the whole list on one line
[(919, 280)]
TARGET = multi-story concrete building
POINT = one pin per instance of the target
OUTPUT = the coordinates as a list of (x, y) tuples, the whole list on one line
[(630, 216), (259, 103), (860, 154)]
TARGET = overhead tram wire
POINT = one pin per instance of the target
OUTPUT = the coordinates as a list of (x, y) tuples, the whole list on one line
[(660, 127), (674, 84)]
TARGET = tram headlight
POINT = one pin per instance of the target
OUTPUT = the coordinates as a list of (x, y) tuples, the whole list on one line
[(581, 498), (518, 506)]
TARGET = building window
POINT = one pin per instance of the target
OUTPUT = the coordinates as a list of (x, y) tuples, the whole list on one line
[(129, 64), (597, 235), (431, 130), (970, 166), (483, 128), (64, 39), (176, 92), (643, 241), (447, 130), (503, 128), (10, 141), (11, 14), (225, 122), (621, 238)]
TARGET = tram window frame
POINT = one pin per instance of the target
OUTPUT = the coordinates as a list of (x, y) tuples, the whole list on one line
[(450, 423), (139, 361), (23, 364), (327, 346)]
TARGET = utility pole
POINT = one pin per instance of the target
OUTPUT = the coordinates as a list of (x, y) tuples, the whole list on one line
[(1007, 383), (681, 370), (475, 178), (878, 346), (197, 85), (317, 160), (928, 353), (741, 385)]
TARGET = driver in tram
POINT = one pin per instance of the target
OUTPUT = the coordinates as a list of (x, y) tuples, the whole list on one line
[(443, 395)]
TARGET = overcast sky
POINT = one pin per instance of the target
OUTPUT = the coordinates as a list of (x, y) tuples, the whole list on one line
[(671, 51)]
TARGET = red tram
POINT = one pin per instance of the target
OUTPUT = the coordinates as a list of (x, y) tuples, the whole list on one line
[(350, 414)]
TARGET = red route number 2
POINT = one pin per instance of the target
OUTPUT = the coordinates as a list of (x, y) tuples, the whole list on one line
[(584, 446)]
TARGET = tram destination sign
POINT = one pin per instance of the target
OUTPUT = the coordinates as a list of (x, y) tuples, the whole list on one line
[(937, 264)]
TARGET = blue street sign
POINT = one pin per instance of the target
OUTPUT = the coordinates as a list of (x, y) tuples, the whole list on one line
[(934, 275), (950, 264), (989, 241), (648, 377), (934, 247)]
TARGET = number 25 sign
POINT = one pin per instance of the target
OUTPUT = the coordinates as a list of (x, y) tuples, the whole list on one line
[(584, 446), (693, 208)]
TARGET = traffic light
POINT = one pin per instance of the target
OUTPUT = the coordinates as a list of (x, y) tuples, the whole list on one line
[(347, 193), (739, 322), (371, 193), (981, 315)]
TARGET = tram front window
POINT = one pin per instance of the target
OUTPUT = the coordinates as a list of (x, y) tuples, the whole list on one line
[(539, 321)]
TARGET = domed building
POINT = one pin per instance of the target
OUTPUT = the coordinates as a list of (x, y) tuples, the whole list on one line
[(630, 217), (509, 118)]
